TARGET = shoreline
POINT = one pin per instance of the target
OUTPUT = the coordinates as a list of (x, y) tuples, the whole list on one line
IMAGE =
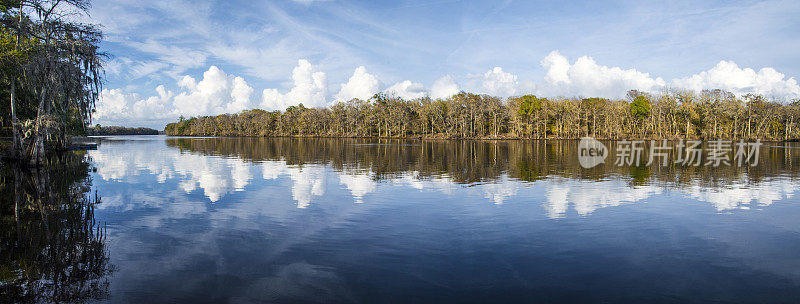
[(477, 138)]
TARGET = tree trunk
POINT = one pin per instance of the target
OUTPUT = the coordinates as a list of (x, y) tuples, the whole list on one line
[(687, 128), (786, 132), (38, 154), (715, 126), (16, 145)]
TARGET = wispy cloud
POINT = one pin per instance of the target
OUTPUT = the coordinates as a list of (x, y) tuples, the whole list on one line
[(604, 49)]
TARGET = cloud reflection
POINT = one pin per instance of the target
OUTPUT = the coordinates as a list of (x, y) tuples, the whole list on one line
[(217, 177), (588, 196), (501, 190), (740, 194), (307, 181), (358, 184)]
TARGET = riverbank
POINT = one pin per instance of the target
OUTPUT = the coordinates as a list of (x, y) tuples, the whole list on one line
[(501, 137)]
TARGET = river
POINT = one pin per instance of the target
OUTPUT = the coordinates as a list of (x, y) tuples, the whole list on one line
[(363, 220)]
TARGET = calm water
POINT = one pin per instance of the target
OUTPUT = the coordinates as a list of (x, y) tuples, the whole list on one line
[(241, 220)]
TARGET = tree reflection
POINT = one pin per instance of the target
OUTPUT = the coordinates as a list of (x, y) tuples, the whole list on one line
[(51, 247), (479, 161)]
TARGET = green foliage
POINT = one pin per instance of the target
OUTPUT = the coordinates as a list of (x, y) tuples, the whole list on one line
[(529, 105), (640, 107), (51, 71)]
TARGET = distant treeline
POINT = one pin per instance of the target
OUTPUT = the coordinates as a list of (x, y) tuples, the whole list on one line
[(679, 114), (115, 130)]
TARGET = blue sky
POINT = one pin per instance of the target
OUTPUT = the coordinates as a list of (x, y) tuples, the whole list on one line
[(191, 58)]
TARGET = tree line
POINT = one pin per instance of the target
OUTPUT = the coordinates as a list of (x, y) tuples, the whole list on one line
[(50, 72), (117, 130), (709, 114)]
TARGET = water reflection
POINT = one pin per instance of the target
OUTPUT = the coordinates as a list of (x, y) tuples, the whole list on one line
[(587, 196), (351, 220), (221, 166), (740, 194), (51, 247)]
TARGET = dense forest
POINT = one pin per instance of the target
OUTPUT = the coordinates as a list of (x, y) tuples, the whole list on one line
[(116, 130), (50, 74), (677, 114)]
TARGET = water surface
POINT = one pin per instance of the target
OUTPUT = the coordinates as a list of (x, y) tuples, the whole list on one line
[(348, 220)]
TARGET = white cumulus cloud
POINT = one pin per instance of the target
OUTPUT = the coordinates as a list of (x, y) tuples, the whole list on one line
[(499, 83), (444, 87), (361, 85), (117, 106), (407, 90), (217, 93), (727, 75), (587, 78), (310, 89)]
